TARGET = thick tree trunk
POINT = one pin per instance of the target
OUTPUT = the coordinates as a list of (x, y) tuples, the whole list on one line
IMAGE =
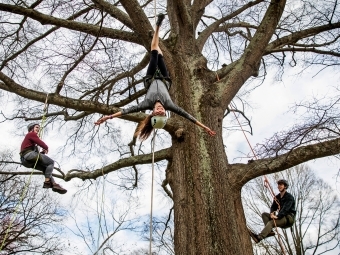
[(209, 217)]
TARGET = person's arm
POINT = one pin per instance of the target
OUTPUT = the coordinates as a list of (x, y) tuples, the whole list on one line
[(137, 108), (206, 129), (105, 118), (176, 109), (36, 140)]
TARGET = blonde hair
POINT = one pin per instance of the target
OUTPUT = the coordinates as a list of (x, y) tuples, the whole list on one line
[(144, 128)]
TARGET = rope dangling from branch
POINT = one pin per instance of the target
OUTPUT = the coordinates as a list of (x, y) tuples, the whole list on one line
[(23, 194), (266, 182), (152, 179)]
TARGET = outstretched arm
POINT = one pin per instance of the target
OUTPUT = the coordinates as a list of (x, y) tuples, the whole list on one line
[(208, 130), (105, 118), (146, 104), (176, 109)]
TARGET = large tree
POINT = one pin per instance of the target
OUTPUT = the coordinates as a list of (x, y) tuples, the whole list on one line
[(90, 57)]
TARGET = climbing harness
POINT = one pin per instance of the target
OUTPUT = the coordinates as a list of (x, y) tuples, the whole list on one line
[(23, 194)]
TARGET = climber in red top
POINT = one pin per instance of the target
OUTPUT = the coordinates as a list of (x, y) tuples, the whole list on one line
[(31, 158)]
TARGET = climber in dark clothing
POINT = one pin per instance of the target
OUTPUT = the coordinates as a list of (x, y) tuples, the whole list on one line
[(282, 212), (157, 97), (31, 158)]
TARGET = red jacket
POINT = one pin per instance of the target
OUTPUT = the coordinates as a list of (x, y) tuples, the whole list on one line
[(32, 139)]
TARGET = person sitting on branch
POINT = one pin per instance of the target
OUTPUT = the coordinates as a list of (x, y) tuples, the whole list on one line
[(31, 158), (157, 98), (282, 213)]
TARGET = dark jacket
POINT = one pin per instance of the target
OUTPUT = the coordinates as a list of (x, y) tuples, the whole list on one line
[(287, 205), (158, 91)]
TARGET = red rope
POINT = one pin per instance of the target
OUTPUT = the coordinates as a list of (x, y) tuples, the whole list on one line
[(265, 182)]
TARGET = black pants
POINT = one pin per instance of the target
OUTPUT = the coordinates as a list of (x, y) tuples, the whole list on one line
[(157, 60)]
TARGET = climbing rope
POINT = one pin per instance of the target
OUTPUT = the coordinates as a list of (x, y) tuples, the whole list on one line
[(153, 162), (266, 182), (154, 3), (152, 178), (101, 212), (23, 194)]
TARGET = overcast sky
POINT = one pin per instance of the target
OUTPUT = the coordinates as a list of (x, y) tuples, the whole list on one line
[(271, 103)]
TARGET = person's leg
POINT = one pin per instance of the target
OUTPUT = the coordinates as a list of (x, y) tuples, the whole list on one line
[(46, 164), (155, 50), (155, 41), (270, 225), (266, 218), (162, 66), (152, 67), (35, 162)]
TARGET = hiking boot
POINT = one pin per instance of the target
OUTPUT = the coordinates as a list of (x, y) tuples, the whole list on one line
[(160, 18), (47, 185), (255, 237), (57, 188), (271, 233)]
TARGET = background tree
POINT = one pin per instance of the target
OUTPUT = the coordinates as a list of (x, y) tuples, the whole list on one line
[(90, 57), (162, 234), (98, 219), (30, 226), (316, 230)]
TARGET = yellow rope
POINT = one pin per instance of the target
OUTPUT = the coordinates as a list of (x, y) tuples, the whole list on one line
[(23, 194)]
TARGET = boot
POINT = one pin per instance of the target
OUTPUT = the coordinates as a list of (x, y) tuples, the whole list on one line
[(160, 18), (271, 233), (47, 184), (57, 188), (255, 237)]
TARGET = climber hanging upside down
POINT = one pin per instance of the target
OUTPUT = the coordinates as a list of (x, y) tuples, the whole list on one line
[(157, 97)]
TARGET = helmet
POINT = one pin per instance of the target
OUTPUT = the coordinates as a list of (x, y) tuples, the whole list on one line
[(284, 182), (158, 121), (31, 126)]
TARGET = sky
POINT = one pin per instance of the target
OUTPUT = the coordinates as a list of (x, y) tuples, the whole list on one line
[(270, 113)]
